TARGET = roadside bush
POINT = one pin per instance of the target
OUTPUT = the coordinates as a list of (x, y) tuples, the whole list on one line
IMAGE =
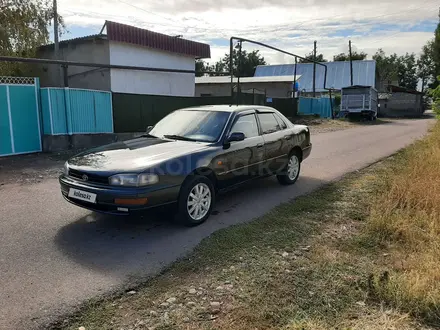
[(406, 217), (435, 94)]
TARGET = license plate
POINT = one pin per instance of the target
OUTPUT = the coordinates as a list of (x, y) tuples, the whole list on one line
[(82, 195)]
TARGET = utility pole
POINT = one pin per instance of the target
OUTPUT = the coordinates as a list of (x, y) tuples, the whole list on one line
[(351, 63), (56, 40), (238, 73), (55, 29), (314, 69)]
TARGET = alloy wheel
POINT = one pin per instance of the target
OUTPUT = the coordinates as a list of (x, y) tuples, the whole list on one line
[(199, 201), (293, 167)]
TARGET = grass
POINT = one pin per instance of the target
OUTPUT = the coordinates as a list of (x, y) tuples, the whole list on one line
[(362, 253), (406, 220)]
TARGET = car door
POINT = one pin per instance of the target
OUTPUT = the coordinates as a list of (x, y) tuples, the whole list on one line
[(242, 159), (276, 140)]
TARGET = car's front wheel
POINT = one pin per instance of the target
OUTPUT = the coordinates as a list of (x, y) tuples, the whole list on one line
[(291, 172), (196, 200)]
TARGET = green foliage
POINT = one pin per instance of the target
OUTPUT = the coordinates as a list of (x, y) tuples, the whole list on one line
[(355, 56), (337, 100), (244, 64), (401, 69), (309, 57), (201, 66), (426, 65), (435, 94), (23, 27), (436, 54), (407, 71), (386, 67)]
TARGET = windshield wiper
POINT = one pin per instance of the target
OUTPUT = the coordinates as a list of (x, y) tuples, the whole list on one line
[(178, 137), (148, 135)]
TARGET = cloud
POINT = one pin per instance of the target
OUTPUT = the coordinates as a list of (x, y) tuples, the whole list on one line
[(395, 25)]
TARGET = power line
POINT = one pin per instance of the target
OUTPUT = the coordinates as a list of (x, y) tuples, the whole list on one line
[(167, 18), (390, 36), (258, 28), (147, 11), (368, 18), (251, 29)]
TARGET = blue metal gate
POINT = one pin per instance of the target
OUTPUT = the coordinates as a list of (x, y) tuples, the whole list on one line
[(76, 111), (20, 129)]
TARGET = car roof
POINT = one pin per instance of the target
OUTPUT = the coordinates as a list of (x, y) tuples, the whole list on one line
[(229, 108)]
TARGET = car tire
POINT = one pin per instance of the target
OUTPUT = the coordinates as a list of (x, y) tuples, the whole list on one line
[(196, 200), (291, 172)]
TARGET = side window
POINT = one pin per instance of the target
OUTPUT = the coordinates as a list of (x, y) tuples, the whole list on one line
[(281, 122), (268, 123), (246, 124)]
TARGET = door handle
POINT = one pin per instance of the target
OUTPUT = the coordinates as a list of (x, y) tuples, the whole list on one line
[(260, 145)]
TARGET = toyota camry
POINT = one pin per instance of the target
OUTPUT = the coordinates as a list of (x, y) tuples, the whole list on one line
[(186, 159)]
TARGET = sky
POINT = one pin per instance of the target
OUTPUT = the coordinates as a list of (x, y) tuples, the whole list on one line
[(398, 26)]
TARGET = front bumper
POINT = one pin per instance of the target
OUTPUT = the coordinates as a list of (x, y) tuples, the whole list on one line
[(106, 195)]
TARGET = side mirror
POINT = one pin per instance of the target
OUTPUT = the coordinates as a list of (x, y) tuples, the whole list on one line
[(236, 136), (149, 128)]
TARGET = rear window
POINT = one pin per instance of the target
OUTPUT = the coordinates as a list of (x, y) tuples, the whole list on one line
[(269, 124), (280, 120)]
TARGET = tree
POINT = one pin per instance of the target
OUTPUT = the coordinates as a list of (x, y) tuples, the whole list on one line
[(426, 65), (386, 67), (309, 57), (346, 57), (244, 65), (435, 94), (23, 28), (407, 71), (402, 69), (201, 67), (436, 47)]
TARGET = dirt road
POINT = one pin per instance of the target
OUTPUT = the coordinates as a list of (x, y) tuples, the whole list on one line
[(55, 255)]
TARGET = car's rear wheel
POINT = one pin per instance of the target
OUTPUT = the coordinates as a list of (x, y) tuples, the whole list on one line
[(196, 200), (291, 172)]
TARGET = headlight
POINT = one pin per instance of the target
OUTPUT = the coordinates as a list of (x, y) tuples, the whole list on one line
[(66, 169), (133, 180)]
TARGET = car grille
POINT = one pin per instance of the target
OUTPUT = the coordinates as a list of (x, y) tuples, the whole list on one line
[(90, 177)]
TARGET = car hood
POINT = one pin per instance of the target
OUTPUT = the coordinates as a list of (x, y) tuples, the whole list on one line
[(132, 155)]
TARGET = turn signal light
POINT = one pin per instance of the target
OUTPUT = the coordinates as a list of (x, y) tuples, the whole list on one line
[(131, 201)]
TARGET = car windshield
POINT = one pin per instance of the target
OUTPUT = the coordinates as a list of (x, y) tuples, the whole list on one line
[(192, 125)]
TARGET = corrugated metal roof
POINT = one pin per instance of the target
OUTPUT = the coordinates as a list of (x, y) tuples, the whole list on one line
[(76, 40), (398, 89), (142, 37), (227, 79), (338, 74)]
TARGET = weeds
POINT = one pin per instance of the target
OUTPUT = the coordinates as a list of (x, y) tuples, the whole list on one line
[(405, 217)]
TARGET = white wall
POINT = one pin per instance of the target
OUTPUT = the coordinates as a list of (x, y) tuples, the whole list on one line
[(146, 82)]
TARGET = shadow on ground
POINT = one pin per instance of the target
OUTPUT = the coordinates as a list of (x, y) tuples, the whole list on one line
[(143, 243)]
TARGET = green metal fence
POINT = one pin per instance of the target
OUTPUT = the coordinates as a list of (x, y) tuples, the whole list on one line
[(134, 113), (288, 107)]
